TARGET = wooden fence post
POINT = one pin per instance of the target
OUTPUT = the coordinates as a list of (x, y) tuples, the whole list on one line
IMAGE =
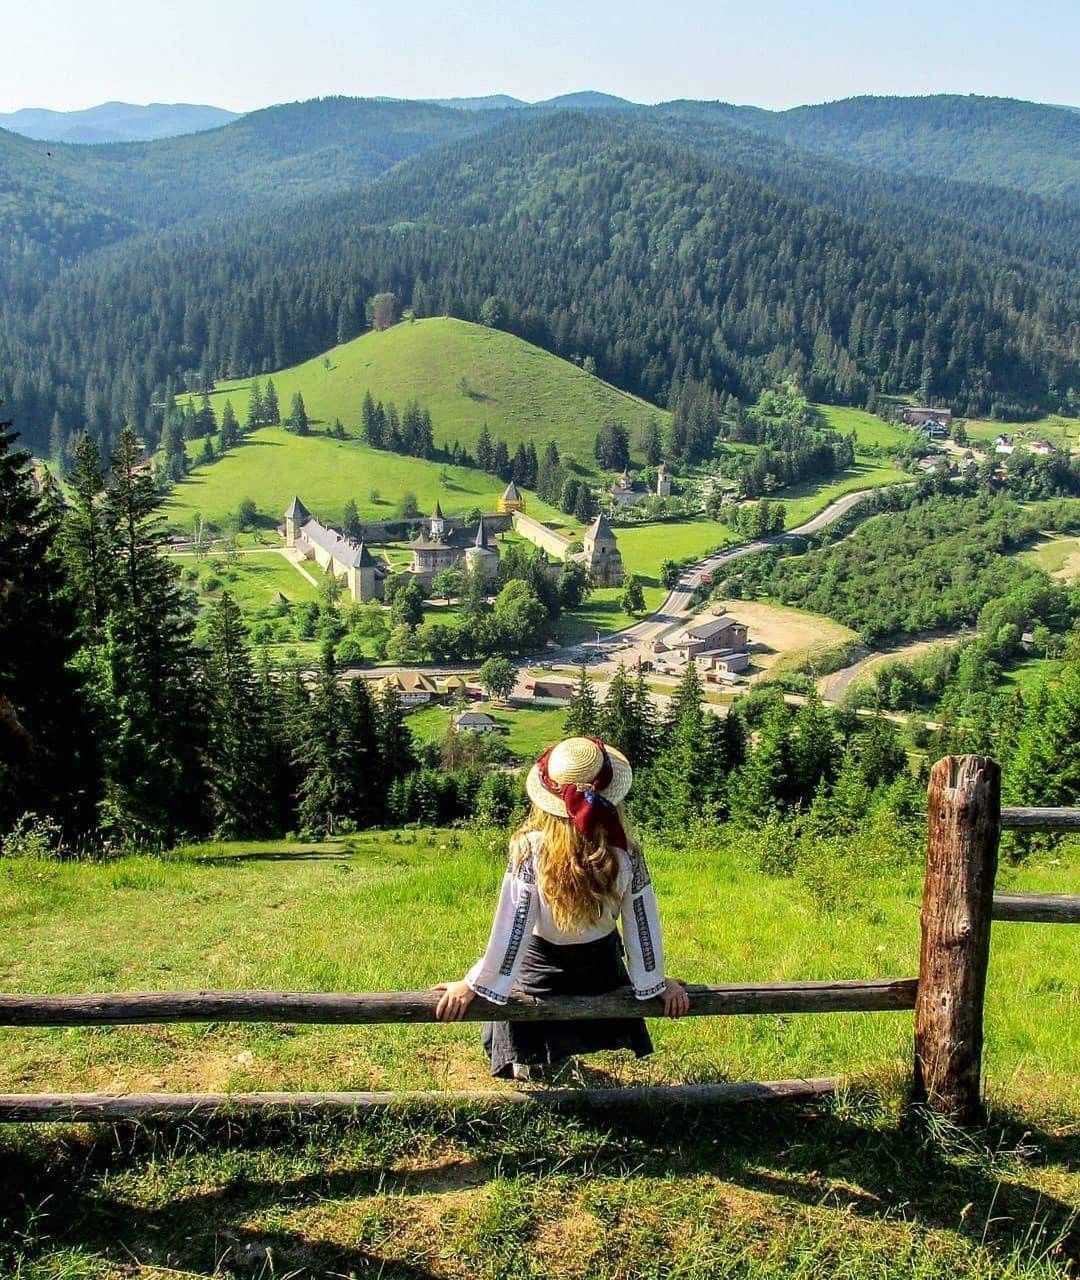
[(961, 862)]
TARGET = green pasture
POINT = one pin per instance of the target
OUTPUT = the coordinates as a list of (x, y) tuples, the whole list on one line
[(255, 579), (465, 375), (840, 1189), (272, 464), (803, 502), (525, 730), (870, 430)]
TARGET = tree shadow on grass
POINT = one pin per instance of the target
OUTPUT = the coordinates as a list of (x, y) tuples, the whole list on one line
[(857, 1165)]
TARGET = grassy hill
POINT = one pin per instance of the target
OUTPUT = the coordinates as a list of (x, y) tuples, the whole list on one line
[(272, 464), (466, 375), (781, 1194)]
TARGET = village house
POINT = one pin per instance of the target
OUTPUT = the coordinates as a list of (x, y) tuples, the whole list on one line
[(474, 722), (441, 547), (625, 492), (714, 635), (1004, 445), (552, 691), (917, 415), (364, 577), (1041, 447), (412, 687)]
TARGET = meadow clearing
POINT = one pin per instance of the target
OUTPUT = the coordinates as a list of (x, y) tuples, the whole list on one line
[(840, 1188), (464, 375)]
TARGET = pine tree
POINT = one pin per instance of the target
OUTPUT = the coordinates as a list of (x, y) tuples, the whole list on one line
[(647, 731), (256, 410), (584, 505), (298, 419), (764, 783), (1045, 769), (84, 541), (271, 411), (680, 777), (205, 419), (323, 754), (237, 755), (485, 451), (365, 763), (396, 754), (815, 749), (500, 460), (230, 428), (583, 714), (47, 757), (618, 717), (146, 683)]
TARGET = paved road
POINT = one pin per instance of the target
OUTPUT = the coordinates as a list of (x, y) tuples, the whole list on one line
[(677, 602)]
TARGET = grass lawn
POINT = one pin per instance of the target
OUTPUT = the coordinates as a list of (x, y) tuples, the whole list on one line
[(803, 502), (645, 547), (1026, 675), (834, 1190), (525, 730), (520, 391), (255, 579), (271, 465), (870, 430)]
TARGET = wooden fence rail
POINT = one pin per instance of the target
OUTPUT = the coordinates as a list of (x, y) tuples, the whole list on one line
[(419, 1006), (965, 819)]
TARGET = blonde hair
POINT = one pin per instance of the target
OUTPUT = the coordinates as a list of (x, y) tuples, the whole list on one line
[(577, 876)]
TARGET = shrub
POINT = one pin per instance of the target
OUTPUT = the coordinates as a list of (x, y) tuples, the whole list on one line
[(32, 836)]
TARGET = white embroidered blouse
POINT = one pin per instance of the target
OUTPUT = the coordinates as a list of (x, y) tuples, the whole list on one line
[(522, 911)]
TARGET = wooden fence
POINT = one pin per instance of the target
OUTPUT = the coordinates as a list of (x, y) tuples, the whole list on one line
[(965, 821)]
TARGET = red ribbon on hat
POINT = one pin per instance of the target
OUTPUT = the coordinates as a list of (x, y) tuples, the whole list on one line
[(586, 808)]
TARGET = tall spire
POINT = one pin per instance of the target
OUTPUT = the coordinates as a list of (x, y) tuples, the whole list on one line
[(482, 540)]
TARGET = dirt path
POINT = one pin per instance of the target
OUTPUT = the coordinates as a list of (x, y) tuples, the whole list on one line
[(833, 687)]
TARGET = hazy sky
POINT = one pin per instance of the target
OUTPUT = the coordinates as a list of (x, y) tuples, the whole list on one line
[(776, 53)]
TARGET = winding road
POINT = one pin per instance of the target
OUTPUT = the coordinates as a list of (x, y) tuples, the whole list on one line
[(676, 604)]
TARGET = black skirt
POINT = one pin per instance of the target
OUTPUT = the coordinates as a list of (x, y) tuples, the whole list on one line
[(551, 969)]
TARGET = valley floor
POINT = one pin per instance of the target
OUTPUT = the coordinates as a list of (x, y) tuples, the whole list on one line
[(839, 1189)]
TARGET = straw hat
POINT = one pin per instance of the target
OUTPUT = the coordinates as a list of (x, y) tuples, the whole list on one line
[(578, 760)]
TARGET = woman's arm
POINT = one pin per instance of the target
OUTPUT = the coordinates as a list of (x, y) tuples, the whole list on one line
[(494, 974), (644, 942)]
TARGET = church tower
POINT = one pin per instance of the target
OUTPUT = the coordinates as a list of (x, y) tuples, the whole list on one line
[(438, 524), (296, 516)]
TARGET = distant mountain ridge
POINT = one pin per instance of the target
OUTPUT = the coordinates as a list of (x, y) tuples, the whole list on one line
[(116, 122)]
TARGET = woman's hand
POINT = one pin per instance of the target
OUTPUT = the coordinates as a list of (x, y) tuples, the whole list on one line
[(676, 1001), (454, 1000)]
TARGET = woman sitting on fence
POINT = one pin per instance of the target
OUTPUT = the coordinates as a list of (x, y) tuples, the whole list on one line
[(573, 871)]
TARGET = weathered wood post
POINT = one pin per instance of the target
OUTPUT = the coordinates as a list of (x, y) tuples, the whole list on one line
[(961, 862)]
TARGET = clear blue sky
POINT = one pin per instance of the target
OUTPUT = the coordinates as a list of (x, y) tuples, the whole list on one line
[(774, 53)]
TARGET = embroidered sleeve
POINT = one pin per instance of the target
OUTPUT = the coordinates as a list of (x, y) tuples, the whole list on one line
[(494, 973), (641, 932)]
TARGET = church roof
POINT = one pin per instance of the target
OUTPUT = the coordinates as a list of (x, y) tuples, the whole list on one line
[(600, 529), (482, 539), (437, 513), (511, 493), (345, 552), (296, 510)]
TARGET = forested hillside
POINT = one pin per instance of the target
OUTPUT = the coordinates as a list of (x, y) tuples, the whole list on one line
[(1026, 145), (592, 241), (116, 122)]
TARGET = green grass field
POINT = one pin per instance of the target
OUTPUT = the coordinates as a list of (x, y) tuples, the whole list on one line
[(255, 579), (525, 730), (870, 430), (803, 502), (520, 391), (833, 1190), (272, 464)]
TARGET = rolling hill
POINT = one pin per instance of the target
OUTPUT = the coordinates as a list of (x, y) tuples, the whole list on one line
[(116, 122), (465, 375), (1002, 141)]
